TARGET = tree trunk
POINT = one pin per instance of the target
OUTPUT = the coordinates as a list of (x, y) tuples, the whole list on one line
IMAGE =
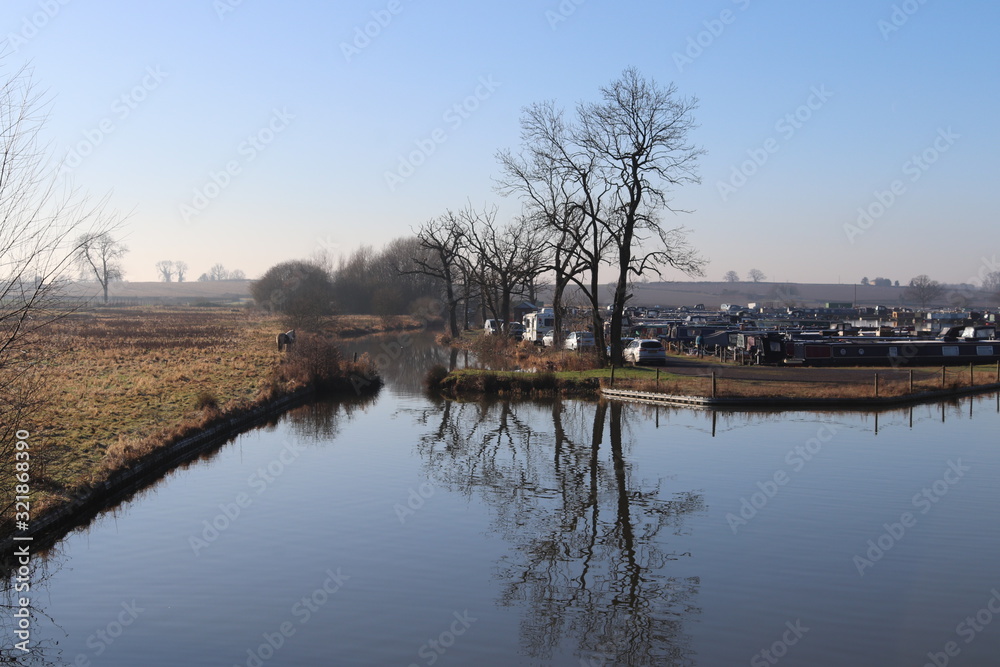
[(597, 321), (452, 309), (562, 280)]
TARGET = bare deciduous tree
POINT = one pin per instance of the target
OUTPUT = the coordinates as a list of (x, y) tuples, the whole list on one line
[(218, 272), (547, 188), (166, 270), (564, 175), (731, 277), (445, 240), (924, 291), (637, 137), (614, 167), (181, 269), (38, 222), (504, 257), (991, 286), (100, 255), (756, 275)]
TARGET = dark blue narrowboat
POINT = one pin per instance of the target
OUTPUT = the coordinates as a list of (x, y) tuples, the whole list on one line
[(975, 345)]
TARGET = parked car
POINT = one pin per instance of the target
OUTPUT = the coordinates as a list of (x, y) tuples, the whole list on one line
[(492, 327), (548, 340), (645, 351), (625, 342), (515, 330), (578, 340)]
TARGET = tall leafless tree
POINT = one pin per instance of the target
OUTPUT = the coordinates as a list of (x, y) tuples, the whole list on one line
[(562, 183), (637, 138), (444, 240), (538, 175), (181, 269), (100, 255)]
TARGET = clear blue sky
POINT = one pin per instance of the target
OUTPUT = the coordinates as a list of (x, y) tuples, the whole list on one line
[(808, 111)]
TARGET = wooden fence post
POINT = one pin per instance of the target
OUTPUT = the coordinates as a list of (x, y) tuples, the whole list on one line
[(911, 380), (876, 385), (612, 375), (972, 375), (942, 377), (713, 384)]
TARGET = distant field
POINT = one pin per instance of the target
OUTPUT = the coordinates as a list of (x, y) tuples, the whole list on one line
[(666, 294), (214, 290)]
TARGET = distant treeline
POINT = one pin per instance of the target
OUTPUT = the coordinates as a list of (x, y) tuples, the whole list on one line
[(380, 282)]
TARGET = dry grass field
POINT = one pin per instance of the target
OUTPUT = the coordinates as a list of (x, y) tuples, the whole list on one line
[(118, 383)]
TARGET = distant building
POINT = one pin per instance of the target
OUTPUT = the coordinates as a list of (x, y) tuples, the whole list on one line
[(520, 310)]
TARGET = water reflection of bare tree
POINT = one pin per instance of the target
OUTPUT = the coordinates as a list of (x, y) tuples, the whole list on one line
[(319, 421), (591, 557), (43, 647), (402, 360)]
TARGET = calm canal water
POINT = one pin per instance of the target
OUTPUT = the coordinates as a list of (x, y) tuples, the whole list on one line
[(406, 530)]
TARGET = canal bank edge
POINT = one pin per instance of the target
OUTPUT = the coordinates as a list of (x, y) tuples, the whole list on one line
[(793, 402), (486, 382), (56, 523)]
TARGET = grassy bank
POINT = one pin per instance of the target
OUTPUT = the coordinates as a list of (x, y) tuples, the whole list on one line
[(588, 381), (119, 384), (522, 369)]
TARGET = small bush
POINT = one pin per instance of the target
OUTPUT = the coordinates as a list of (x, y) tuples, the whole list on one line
[(206, 400), (435, 375), (495, 351), (312, 359)]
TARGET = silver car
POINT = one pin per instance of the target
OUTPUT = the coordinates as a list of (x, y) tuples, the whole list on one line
[(578, 340), (645, 351)]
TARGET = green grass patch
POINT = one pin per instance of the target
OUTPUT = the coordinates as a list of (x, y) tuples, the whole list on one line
[(589, 381)]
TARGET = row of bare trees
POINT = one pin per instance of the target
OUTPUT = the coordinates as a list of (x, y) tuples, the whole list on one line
[(594, 186), (476, 257), (170, 270), (753, 276), (373, 282)]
